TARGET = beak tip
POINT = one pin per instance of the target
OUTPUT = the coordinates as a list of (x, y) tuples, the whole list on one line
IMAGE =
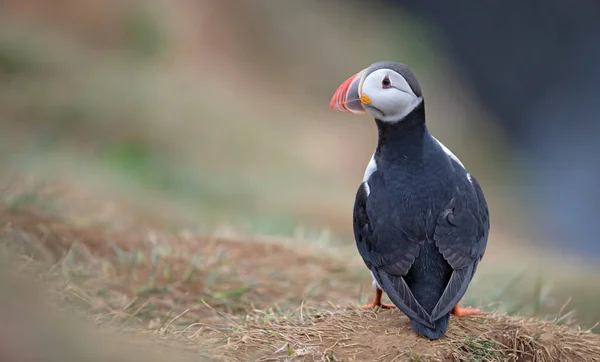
[(332, 104), (345, 97)]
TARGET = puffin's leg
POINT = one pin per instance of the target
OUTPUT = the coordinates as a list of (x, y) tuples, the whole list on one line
[(377, 301), (462, 312)]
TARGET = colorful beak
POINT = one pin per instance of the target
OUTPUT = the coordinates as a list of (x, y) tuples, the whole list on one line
[(347, 97)]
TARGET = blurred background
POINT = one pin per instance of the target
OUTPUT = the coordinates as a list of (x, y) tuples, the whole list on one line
[(213, 115), (223, 109)]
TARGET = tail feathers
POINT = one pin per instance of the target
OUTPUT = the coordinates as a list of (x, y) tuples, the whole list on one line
[(440, 327)]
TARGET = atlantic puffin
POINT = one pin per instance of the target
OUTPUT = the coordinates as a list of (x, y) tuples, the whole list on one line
[(421, 221)]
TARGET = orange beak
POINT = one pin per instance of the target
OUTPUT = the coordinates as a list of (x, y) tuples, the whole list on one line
[(347, 97)]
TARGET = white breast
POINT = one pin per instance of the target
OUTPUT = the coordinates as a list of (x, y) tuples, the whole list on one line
[(371, 167)]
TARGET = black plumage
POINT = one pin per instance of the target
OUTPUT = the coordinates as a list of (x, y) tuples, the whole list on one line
[(421, 222)]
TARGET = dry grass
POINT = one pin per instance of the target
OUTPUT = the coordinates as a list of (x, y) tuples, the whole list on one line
[(159, 274), (83, 107), (350, 334), (263, 300)]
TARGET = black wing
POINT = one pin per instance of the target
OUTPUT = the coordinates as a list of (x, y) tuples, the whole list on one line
[(389, 254), (461, 235)]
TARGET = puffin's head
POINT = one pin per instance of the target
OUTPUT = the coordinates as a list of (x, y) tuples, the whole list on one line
[(386, 90)]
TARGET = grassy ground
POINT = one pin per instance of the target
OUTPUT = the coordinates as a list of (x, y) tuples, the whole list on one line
[(173, 186), (235, 298)]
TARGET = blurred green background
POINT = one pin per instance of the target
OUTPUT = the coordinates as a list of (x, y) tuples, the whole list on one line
[(219, 107), (214, 115)]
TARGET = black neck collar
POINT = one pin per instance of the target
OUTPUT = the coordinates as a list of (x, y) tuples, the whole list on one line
[(403, 139)]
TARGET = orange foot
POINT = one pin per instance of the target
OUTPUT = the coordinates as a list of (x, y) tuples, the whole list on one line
[(377, 302), (462, 312)]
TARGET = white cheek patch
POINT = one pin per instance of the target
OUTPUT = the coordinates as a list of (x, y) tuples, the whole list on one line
[(411, 104), (389, 104)]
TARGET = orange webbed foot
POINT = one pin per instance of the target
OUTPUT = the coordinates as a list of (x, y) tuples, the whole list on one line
[(377, 302), (463, 312)]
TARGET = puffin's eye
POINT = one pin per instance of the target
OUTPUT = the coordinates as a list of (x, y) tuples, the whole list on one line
[(386, 82)]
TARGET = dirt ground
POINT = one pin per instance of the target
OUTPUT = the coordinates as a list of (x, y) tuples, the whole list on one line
[(264, 300), (350, 335)]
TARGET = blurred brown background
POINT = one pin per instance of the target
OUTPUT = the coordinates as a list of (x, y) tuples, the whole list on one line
[(224, 107), (213, 115)]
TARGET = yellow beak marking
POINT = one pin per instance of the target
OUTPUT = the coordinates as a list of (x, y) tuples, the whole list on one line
[(365, 99)]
